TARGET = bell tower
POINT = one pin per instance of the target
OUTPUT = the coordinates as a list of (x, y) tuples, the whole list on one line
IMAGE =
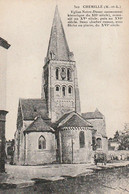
[(59, 79)]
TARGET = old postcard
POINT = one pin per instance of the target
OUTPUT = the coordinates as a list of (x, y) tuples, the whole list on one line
[(64, 100)]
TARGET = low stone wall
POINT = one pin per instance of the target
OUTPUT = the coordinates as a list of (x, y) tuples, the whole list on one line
[(118, 155)]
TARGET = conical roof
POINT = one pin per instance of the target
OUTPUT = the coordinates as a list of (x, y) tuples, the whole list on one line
[(58, 48)]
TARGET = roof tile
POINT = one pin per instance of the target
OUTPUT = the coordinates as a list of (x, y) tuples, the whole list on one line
[(93, 115), (39, 125)]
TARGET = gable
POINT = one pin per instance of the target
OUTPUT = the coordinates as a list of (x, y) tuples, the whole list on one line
[(74, 120), (63, 118), (39, 125)]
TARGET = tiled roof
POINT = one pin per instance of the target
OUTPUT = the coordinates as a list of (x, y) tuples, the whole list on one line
[(93, 115), (63, 117), (32, 108), (39, 125), (73, 120), (58, 47)]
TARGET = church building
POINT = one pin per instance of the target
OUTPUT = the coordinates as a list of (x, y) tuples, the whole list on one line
[(52, 129)]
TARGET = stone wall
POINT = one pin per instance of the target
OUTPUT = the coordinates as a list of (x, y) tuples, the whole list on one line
[(70, 147), (21, 148), (58, 104), (34, 155)]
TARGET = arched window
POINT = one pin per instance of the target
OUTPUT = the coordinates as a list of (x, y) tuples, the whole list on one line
[(63, 91), (68, 74), (70, 90), (98, 143), (57, 73), (57, 88), (82, 139), (42, 143)]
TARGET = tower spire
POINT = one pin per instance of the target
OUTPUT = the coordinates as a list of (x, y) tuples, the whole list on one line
[(58, 48), (60, 84)]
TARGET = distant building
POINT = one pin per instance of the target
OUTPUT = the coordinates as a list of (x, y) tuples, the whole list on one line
[(51, 129)]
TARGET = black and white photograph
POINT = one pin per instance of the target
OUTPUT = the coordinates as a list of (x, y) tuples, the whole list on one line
[(64, 96)]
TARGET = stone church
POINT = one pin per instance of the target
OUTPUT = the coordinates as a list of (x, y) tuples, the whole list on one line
[(52, 129)]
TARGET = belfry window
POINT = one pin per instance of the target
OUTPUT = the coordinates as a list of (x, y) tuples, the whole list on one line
[(70, 90), (42, 143), (82, 139), (68, 74), (57, 73), (98, 143), (63, 91), (57, 88)]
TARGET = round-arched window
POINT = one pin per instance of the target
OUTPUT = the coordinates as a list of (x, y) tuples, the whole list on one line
[(57, 90), (82, 139), (70, 90), (57, 73), (64, 91), (69, 74)]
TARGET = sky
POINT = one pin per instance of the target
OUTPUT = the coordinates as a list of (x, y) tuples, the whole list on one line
[(101, 56)]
